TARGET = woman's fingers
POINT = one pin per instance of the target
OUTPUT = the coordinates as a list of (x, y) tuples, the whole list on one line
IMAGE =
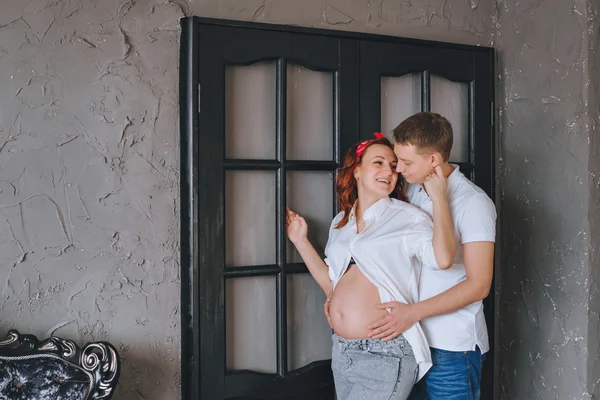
[(290, 216)]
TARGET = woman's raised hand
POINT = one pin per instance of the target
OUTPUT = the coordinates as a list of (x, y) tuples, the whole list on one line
[(296, 227)]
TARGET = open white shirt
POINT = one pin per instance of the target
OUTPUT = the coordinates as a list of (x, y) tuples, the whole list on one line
[(395, 233), (474, 219)]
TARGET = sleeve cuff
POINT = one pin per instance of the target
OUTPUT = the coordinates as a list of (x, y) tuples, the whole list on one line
[(479, 237), (428, 258)]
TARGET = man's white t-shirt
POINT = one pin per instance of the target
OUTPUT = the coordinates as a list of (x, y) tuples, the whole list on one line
[(474, 218)]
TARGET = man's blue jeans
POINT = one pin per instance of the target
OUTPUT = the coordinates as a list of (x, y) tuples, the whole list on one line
[(455, 375)]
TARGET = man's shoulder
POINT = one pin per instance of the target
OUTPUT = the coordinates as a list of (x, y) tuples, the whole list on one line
[(466, 191), (472, 209)]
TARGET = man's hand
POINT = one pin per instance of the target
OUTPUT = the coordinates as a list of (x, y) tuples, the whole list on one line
[(395, 323), (436, 184), (326, 308)]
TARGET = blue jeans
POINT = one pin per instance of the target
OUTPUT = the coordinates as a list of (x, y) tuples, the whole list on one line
[(369, 369), (455, 375)]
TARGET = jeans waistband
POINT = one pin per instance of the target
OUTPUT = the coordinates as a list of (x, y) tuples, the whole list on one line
[(371, 344)]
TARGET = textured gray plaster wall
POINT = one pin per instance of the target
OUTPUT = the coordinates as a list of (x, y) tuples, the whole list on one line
[(548, 86), (89, 235), (593, 98), (89, 176), (459, 21)]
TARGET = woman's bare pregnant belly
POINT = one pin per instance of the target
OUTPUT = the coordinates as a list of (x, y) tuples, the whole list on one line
[(354, 305)]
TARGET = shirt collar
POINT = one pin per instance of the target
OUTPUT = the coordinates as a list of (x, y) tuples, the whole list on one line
[(454, 179), (375, 211)]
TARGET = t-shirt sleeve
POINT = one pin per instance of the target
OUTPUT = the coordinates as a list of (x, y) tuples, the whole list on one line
[(478, 222)]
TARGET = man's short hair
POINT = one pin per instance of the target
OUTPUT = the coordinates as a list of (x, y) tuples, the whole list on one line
[(426, 130)]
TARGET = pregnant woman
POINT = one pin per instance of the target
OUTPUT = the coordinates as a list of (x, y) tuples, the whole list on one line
[(370, 260)]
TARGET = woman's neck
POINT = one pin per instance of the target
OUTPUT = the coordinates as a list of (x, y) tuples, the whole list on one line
[(362, 204)]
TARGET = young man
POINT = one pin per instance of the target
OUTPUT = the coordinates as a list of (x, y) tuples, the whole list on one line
[(450, 308)]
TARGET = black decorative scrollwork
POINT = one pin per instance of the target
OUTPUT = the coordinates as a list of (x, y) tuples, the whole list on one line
[(99, 359)]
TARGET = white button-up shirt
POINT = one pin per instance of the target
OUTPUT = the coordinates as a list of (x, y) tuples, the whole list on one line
[(395, 233), (474, 219)]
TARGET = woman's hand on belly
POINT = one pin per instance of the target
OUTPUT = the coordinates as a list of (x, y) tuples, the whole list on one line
[(353, 305), (326, 307)]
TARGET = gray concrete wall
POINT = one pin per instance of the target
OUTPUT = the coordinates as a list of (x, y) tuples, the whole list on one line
[(89, 148), (89, 180), (549, 189), (593, 99)]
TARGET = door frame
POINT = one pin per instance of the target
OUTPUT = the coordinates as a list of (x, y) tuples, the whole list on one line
[(192, 258)]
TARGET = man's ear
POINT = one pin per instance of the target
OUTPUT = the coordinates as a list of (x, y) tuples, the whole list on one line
[(436, 159)]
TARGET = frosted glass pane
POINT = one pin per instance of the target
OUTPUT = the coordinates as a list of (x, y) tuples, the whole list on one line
[(310, 194), (249, 218), (250, 318), (400, 98), (451, 100), (250, 111), (309, 334), (309, 114)]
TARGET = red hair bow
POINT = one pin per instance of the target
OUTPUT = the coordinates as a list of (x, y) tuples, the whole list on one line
[(363, 145)]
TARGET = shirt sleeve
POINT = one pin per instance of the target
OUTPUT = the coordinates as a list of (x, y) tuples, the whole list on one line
[(478, 222), (419, 242), (330, 270), (328, 248)]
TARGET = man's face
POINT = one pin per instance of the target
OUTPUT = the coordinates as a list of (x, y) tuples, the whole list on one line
[(413, 166)]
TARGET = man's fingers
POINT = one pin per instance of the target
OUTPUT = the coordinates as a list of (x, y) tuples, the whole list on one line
[(383, 334), (439, 172), (390, 336), (391, 304), (379, 326)]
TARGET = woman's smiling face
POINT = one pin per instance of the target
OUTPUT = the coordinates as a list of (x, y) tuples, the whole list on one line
[(376, 174)]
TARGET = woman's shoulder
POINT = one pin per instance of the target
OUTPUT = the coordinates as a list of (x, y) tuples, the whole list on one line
[(336, 220), (338, 217), (407, 208)]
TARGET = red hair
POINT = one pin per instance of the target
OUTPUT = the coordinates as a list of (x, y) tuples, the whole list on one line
[(346, 187)]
